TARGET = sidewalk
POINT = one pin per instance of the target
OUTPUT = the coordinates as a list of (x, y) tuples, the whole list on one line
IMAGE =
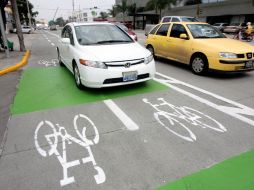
[(16, 55), (9, 81)]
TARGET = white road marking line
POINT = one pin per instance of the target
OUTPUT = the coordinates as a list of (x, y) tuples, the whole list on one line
[(236, 109), (53, 34), (49, 41), (52, 44), (126, 120)]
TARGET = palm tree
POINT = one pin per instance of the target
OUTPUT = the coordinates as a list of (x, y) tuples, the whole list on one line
[(132, 10), (113, 11), (123, 8), (103, 15), (158, 5)]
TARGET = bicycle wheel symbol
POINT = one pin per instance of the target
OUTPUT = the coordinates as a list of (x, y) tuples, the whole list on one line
[(47, 145), (174, 122), (50, 133)]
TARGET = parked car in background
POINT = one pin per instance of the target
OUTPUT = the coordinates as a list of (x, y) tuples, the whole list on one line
[(128, 30), (53, 27), (201, 46), (234, 27), (178, 19), (165, 19), (103, 55), (220, 26), (25, 29)]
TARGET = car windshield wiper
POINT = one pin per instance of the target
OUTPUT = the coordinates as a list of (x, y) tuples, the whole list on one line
[(113, 41)]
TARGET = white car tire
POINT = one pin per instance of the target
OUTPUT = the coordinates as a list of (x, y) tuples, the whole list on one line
[(77, 76)]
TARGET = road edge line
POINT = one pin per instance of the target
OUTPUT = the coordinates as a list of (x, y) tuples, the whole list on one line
[(18, 65)]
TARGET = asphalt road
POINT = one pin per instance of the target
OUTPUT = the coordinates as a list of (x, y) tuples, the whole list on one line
[(133, 141)]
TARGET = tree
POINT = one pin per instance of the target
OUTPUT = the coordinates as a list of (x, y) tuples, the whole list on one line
[(60, 21), (158, 5), (23, 12), (132, 10), (122, 8), (113, 11), (51, 22), (193, 2), (103, 15), (2, 6), (18, 25), (94, 13)]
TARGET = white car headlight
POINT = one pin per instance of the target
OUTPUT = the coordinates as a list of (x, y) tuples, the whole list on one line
[(95, 64), (227, 55), (148, 59)]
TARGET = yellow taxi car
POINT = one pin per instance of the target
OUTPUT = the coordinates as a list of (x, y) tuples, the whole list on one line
[(201, 46)]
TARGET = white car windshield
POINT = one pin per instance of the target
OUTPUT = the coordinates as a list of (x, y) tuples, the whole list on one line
[(204, 31), (101, 34)]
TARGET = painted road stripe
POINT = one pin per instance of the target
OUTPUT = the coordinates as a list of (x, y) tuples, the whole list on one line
[(52, 44), (128, 122), (55, 35), (237, 110)]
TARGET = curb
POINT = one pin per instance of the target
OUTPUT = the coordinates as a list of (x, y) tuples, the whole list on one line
[(18, 65)]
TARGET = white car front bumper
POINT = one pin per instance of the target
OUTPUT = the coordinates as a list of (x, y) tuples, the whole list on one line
[(113, 76)]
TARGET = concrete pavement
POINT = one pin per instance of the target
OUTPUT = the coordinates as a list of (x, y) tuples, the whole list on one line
[(45, 147)]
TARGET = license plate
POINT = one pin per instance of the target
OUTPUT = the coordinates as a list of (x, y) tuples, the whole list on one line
[(248, 65), (130, 76)]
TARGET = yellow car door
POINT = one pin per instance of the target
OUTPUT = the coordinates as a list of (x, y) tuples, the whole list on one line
[(152, 39), (161, 40), (179, 49)]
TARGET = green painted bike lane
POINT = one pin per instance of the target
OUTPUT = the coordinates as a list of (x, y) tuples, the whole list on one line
[(54, 87), (236, 173)]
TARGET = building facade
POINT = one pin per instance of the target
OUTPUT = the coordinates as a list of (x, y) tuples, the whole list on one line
[(211, 11), (230, 11), (84, 15)]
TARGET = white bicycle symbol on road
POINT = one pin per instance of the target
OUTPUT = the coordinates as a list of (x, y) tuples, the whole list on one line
[(180, 115), (60, 132), (51, 63)]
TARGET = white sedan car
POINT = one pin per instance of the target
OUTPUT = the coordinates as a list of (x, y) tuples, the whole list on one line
[(25, 29), (103, 55)]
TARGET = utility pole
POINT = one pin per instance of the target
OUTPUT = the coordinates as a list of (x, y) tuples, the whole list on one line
[(29, 14), (55, 14), (4, 36), (73, 10)]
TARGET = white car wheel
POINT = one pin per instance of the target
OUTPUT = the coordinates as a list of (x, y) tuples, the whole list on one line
[(77, 76)]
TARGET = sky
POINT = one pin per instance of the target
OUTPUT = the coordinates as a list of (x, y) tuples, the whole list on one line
[(47, 8)]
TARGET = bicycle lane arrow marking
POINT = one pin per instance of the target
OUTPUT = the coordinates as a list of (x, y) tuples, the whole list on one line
[(125, 119), (237, 111)]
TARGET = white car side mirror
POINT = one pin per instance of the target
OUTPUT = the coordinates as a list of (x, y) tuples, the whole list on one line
[(66, 40)]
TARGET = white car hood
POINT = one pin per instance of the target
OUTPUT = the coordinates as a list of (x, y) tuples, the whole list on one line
[(114, 52)]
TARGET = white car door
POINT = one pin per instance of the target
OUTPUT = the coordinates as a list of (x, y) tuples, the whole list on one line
[(67, 47), (70, 48), (63, 46)]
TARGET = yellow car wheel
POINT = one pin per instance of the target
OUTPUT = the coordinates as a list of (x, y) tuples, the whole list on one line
[(199, 64)]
